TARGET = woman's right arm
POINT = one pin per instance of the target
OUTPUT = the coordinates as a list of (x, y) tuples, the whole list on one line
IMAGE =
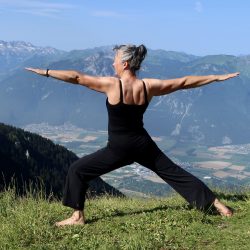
[(159, 87), (101, 84)]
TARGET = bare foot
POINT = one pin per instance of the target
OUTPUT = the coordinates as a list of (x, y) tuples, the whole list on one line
[(77, 218), (222, 209)]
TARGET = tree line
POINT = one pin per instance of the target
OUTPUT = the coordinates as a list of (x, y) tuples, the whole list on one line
[(30, 159)]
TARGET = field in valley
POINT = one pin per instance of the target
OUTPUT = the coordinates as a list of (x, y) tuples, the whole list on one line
[(227, 165)]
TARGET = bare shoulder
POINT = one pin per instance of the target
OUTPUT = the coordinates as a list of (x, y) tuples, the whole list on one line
[(105, 80), (157, 87), (151, 82), (150, 85), (111, 81), (98, 83), (112, 84), (108, 83)]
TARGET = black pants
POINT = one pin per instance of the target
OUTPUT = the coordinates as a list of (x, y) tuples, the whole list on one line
[(124, 150)]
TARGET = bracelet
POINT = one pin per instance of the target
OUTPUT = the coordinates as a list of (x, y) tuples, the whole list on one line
[(47, 73)]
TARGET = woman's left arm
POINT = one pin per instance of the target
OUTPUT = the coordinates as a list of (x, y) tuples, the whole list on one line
[(197, 81), (101, 84), (159, 87)]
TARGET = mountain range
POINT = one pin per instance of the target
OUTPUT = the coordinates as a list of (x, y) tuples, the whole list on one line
[(216, 114)]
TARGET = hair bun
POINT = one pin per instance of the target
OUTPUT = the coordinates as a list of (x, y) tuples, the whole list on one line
[(138, 56), (133, 54), (141, 51)]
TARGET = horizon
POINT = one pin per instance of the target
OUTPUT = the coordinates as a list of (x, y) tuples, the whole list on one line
[(107, 46), (196, 27)]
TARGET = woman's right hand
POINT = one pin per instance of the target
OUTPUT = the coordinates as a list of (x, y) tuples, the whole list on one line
[(42, 72)]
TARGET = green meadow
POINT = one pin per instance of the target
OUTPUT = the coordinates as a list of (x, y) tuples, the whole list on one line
[(27, 222)]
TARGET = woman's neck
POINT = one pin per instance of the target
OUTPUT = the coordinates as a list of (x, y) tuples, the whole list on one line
[(127, 75)]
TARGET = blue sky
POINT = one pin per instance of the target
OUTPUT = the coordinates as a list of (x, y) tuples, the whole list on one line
[(199, 27)]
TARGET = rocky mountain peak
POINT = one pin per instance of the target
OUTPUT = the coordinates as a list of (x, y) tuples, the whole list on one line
[(22, 48)]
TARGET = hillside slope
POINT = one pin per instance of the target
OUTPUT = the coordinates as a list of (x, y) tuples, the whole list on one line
[(29, 157), (122, 223)]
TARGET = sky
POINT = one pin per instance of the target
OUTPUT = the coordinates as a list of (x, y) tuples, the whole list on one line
[(199, 27)]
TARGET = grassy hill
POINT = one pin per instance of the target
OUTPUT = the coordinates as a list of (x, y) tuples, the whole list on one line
[(122, 223)]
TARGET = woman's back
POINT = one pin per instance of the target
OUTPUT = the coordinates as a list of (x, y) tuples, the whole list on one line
[(132, 91), (127, 117)]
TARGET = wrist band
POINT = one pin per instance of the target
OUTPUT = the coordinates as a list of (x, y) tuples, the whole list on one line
[(47, 72)]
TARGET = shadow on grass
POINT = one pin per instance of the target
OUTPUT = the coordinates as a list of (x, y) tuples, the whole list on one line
[(119, 213), (232, 197), (208, 211)]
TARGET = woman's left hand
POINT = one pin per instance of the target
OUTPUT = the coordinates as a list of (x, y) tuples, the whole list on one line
[(227, 76)]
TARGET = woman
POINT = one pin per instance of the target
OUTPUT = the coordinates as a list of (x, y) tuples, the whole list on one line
[(127, 99)]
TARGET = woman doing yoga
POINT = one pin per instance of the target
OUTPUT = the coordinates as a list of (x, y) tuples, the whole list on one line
[(127, 100)]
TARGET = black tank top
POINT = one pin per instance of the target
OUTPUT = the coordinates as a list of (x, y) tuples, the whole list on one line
[(124, 117)]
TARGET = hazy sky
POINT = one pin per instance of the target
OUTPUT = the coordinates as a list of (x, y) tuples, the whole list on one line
[(198, 27)]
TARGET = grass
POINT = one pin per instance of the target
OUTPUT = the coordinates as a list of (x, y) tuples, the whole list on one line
[(122, 223)]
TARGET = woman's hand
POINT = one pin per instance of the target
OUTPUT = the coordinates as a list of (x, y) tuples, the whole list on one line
[(42, 72), (227, 76)]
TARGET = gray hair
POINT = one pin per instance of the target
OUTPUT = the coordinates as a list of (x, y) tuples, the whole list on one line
[(132, 54)]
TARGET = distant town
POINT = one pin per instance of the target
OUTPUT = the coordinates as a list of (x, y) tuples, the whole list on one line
[(223, 165)]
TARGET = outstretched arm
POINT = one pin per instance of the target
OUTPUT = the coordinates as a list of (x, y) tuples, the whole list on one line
[(101, 84), (162, 87)]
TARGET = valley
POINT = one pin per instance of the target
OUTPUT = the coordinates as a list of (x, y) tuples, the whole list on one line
[(226, 166)]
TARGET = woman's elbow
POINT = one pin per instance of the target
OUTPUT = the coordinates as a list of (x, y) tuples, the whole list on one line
[(183, 83), (77, 78)]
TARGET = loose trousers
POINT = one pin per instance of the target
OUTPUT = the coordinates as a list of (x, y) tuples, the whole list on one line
[(122, 152)]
